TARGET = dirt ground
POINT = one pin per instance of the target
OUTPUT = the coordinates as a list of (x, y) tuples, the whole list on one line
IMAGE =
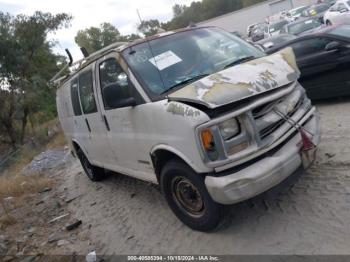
[(309, 213)]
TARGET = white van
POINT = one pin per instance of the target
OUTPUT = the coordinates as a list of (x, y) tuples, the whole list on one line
[(199, 111)]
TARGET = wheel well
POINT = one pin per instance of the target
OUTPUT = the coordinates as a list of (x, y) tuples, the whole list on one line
[(160, 158), (76, 147)]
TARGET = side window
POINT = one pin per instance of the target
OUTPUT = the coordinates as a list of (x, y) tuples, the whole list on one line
[(309, 46), (114, 83), (334, 8), (342, 8), (86, 92), (75, 97)]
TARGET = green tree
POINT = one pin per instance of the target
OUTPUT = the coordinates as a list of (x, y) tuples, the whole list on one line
[(199, 11), (27, 62), (178, 10), (149, 27), (95, 38)]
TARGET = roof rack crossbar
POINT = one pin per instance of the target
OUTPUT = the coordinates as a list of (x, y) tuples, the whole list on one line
[(57, 77)]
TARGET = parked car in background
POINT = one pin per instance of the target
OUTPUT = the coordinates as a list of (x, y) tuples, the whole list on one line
[(339, 13), (316, 11), (250, 29), (274, 28), (259, 32), (274, 41), (324, 61), (303, 26), (330, 2), (295, 13)]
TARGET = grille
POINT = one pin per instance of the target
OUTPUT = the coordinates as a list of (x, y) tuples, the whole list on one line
[(264, 112)]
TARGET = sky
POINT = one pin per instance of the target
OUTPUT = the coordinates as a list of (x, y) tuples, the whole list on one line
[(86, 13)]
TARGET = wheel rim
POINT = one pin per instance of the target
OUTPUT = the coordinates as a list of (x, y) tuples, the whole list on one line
[(86, 165), (187, 196)]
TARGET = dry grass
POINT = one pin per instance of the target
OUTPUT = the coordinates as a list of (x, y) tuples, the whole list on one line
[(14, 184), (7, 220), (57, 141), (18, 185), (26, 155)]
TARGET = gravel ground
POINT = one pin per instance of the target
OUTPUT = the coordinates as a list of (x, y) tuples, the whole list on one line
[(308, 214)]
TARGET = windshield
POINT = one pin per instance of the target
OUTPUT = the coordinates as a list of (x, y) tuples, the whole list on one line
[(277, 26), (316, 9), (303, 26), (296, 12), (169, 61), (321, 8)]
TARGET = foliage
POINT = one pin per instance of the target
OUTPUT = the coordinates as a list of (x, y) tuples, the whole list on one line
[(95, 38), (27, 62), (149, 27), (199, 11)]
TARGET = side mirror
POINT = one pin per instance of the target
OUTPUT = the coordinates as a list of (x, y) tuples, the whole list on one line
[(116, 96), (332, 46)]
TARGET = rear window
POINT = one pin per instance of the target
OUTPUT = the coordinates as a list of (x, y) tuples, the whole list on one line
[(75, 97)]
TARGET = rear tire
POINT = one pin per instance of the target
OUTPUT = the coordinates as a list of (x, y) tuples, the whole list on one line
[(94, 173), (187, 196), (328, 23)]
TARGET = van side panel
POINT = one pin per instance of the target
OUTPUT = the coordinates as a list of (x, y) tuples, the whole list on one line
[(137, 131)]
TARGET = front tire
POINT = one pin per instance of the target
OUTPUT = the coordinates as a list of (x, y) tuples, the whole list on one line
[(94, 173), (328, 23), (187, 196)]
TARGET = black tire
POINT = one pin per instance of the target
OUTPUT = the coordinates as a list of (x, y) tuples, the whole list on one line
[(328, 23), (93, 172), (202, 213)]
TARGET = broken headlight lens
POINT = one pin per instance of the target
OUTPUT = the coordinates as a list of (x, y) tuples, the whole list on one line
[(229, 128)]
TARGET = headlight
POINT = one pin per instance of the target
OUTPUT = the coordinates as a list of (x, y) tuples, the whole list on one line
[(229, 128)]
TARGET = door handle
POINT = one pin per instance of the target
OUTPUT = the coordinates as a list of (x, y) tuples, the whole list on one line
[(106, 122), (87, 124)]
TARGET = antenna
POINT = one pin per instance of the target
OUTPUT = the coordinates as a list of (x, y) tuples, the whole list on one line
[(150, 49)]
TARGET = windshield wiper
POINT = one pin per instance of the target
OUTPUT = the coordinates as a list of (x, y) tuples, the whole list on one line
[(187, 81), (238, 61)]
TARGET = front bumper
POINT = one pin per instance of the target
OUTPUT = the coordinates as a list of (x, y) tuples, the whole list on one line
[(263, 174)]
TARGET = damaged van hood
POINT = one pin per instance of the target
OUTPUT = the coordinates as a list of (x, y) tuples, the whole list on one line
[(241, 81)]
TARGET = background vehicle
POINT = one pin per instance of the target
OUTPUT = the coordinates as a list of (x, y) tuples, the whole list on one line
[(258, 32), (250, 29), (274, 28), (316, 11), (339, 13), (324, 61), (168, 114), (295, 13), (303, 26), (329, 2), (275, 41)]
